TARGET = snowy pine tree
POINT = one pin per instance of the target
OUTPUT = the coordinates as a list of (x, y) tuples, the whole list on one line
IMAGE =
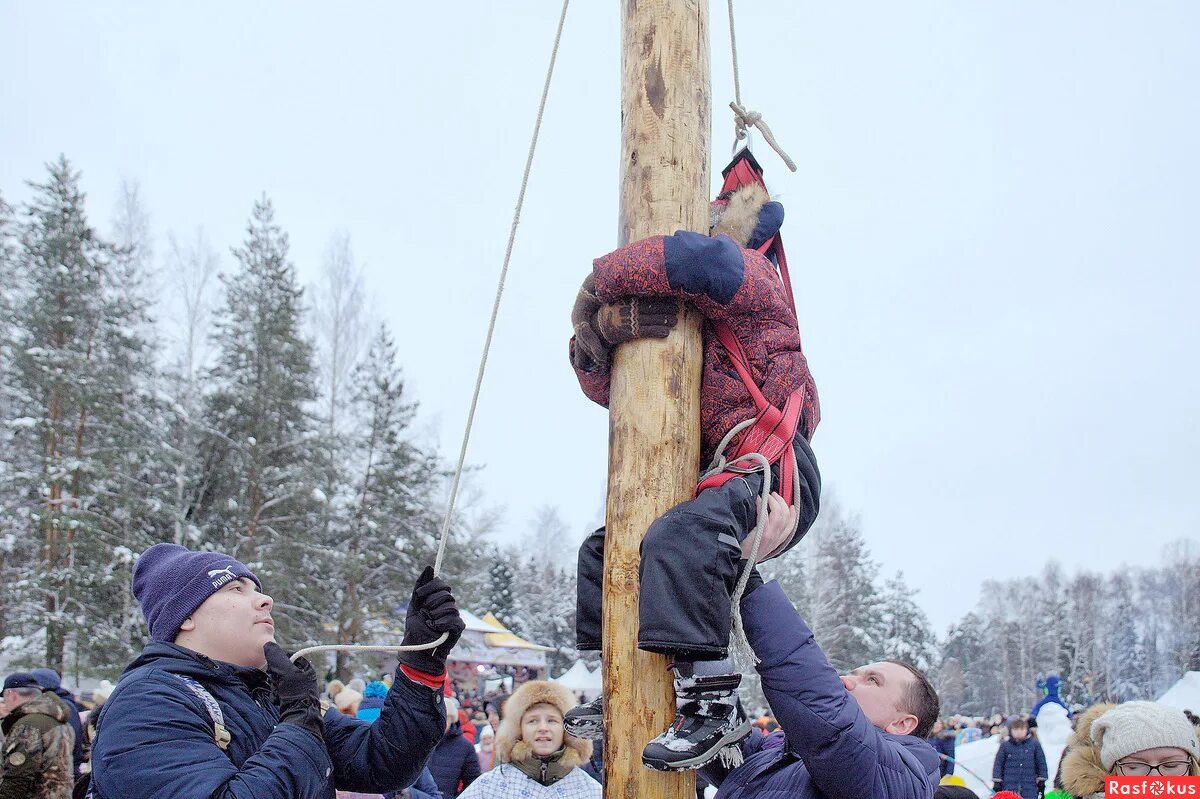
[(83, 441), (260, 498), (904, 631), (385, 528), (844, 610)]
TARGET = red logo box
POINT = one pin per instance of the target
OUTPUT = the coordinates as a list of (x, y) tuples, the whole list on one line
[(1153, 787)]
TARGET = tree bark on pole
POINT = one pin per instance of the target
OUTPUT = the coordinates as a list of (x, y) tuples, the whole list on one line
[(654, 421)]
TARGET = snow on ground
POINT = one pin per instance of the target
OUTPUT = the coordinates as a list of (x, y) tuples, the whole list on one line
[(1184, 694), (978, 756)]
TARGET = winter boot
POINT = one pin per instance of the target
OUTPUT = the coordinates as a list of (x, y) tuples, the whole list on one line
[(708, 718), (586, 721)]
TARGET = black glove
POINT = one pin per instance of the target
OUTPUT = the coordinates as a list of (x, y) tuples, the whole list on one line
[(997, 785), (294, 689), (1041, 786), (431, 612)]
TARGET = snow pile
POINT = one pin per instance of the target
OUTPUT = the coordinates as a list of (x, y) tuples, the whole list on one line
[(1054, 728), (1184, 694)]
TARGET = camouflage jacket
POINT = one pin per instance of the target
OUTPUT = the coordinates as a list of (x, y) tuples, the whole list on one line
[(38, 741)]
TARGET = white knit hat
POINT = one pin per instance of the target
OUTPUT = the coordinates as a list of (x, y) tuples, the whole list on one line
[(1134, 726)]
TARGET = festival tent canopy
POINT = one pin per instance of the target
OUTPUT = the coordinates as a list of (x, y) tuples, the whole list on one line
[(1184, 694), (579, 679), (486, 640)]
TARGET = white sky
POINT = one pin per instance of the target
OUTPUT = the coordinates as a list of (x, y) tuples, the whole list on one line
[(993, 230)]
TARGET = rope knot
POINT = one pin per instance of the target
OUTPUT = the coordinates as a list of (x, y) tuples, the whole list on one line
[(744, 119)]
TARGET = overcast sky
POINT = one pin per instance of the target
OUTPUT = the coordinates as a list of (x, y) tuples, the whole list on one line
[(993, 230)]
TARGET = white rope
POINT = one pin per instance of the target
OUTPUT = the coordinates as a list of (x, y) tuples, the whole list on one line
[(739, 643), (487, 344), (512, 235), (744, 119), (309, 650)]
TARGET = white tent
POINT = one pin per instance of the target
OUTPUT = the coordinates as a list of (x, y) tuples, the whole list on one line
[(580, 680), (1184, 694)]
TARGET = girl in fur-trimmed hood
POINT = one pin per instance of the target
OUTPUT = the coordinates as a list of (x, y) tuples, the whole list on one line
[(537, 758), (1108, 737)]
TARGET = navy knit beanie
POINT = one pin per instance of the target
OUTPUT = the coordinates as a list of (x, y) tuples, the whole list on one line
[(170, 582)]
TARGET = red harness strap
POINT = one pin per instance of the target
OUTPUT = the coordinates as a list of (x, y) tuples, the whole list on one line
[(773, 430)]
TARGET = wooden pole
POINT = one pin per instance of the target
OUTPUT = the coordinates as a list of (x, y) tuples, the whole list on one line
[(654, 422)]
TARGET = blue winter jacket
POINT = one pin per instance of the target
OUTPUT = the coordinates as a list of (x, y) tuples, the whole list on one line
[(1019, 765), (155, 737), (425, 787), (454, 761), (831, 750)]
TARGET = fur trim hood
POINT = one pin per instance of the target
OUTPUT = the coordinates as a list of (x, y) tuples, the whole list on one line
[(1082, 772), (510, 747), (738, 216)]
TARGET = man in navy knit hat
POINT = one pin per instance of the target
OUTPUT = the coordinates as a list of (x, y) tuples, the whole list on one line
[(213, 707)]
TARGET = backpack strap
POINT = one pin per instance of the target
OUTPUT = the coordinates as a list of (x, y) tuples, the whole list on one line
[(84, 789), (220, 732)]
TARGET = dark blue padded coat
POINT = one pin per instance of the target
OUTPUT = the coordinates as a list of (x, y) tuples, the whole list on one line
[(155, 737), (1019, 765), (454, 762), (831, 750)]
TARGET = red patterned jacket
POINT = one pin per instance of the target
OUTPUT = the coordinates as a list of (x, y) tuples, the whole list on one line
[(725, 283)]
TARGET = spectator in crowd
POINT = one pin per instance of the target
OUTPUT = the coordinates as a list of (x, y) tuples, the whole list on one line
[(348, 701), (538, 760), (1020, 764), (38, 742), (953, 787), (372, 701), (50, 680), (334, 688), (468, 729), (485, 750), (943, 743), (454, 764), (1134, 739)]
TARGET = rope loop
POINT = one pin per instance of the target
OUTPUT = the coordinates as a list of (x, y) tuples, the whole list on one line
[(744, 119)]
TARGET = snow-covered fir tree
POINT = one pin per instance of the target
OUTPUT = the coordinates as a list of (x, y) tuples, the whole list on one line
[(83, 441), (384, 528), (844, 602), (261, 499), (904, 630)]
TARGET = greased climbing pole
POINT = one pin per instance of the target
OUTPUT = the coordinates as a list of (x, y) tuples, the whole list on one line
[(654, 421)]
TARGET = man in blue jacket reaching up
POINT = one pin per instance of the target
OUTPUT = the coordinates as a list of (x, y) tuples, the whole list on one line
[(860, 735), (214, 709)]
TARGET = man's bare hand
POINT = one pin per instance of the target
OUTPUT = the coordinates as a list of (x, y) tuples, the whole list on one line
[(781, 521)]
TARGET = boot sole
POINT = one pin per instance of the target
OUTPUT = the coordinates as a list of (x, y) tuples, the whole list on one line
[(587, 729), (702, 759)]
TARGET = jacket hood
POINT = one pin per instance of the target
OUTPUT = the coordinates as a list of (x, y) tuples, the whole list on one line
[(510, 747), (740, 214), (180, 660), (46, 704), (1082, 772), (922, 750)]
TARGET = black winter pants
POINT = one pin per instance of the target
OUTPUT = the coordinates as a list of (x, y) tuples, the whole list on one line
[(689, 566)]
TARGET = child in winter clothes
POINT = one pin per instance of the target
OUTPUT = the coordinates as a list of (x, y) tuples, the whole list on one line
[(537, 759), (632, 293), (1020, 764)]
